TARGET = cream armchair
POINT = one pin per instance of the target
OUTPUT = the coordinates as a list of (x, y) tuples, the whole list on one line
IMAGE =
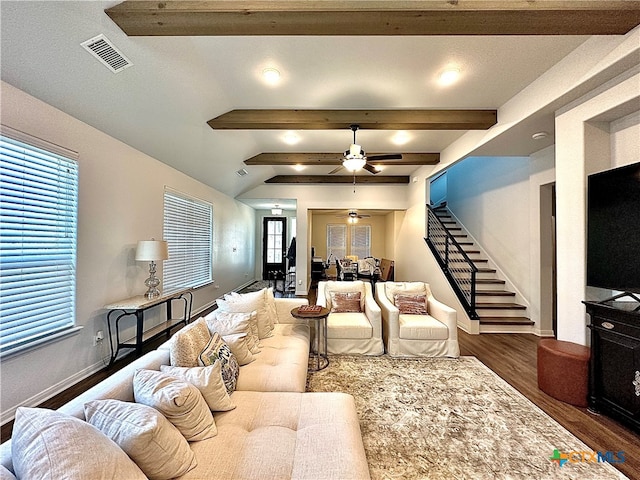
[(434, 334), (352, 332)]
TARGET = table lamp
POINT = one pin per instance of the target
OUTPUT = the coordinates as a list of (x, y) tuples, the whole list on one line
[(150, 251)]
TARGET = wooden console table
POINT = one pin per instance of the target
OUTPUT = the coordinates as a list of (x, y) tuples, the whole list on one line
[(137, 306)]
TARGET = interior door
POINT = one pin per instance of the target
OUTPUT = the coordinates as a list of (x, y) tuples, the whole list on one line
[(274, 246)]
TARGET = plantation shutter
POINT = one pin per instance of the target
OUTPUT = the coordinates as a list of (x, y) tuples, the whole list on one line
[(38, 232), (188, 227), (336, 240), (361, 240)]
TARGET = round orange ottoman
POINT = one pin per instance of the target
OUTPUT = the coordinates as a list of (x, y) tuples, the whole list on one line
[(563, 371)]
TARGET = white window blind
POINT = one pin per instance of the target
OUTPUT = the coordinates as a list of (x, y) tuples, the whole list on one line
[(188, 227), (38, 232), (336, 240), (361, 240)]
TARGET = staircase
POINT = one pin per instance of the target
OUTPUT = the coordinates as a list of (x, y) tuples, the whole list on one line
[(487, 298)]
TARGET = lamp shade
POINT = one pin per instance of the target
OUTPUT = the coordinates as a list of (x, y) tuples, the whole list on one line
[(152, 250), (354, 164)]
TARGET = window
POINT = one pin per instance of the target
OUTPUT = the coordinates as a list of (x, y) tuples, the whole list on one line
[(188, 227), (38, 231), (336, 240), (361, 240)]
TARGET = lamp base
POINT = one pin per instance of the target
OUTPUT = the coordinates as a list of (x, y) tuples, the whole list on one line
[(152, 283)]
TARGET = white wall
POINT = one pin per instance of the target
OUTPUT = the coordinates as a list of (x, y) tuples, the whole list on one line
[(585, 145), (490, 196), (120, 202)]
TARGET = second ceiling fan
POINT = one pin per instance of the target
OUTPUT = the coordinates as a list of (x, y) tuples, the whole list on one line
[(355, 158)]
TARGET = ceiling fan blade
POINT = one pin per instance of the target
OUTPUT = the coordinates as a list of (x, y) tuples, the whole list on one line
[(390, 156), (370, 168), (336, 170), (364, 216)]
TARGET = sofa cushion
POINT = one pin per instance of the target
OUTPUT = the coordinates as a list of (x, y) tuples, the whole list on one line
[(179, 401), (333, 286), (345, 302), (282, 364), (218, 350), (150, 440), (74, 449), (348, 325), (284, 435), (206, 379), (411, 304), (188, 342), (422, 327)]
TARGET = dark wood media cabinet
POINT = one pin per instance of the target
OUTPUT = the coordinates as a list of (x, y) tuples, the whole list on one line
[(614, 377)]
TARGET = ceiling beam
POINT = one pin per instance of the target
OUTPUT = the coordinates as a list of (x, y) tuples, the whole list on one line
[(311, 159), (359, 179), (366, 119), (366, 17)]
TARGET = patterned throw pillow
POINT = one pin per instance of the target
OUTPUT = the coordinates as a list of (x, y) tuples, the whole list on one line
[(345, 302), (217, 349), (411, 304), (188, 342)]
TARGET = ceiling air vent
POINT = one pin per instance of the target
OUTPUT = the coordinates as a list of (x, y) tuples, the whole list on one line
[(242, 172), (105, 51)]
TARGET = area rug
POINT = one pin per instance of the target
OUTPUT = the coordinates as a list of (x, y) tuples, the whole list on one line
[(255, 286), (452, 419)]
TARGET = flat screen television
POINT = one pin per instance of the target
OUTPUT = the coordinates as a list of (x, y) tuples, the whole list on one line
[(613, 229)]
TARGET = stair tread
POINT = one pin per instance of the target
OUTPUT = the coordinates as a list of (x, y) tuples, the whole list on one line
[(486, 270), (506, 321), (496, 293), (489, 280), (499, 306)]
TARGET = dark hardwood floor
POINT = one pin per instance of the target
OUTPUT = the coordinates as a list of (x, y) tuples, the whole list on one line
[(512, 357)]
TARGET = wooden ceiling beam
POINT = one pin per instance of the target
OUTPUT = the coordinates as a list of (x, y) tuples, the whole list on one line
[(279, 119), (311, 159), (366, 17), (342, 179)]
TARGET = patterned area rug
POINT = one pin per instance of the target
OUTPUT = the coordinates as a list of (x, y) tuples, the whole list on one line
[(255, 286), (451, 419)]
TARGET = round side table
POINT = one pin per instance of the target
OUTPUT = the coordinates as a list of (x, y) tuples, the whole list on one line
[(320, 319)]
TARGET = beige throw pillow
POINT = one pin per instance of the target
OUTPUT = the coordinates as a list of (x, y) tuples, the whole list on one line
[(239, 346), (187, 344), (179, 401), (229, 323), (247, 303), (206, 379), (149, 439), (74, 449), (6, 474)]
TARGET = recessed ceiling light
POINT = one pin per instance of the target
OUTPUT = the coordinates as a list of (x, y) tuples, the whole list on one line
[(271, 76), (449, 76), (539, 135), (298, 167), (401, 138), (291, 138)]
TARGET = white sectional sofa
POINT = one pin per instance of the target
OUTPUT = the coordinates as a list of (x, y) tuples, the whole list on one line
[(275, 431)]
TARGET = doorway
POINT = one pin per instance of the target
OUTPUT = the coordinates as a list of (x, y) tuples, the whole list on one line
[(274, 246)]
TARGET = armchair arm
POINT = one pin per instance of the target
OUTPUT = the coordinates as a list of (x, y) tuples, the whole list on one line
[(321, 298), (390, 313), (372, 312), (444, 314)]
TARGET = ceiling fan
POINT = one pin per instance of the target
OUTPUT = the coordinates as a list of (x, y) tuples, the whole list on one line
[(355, 158), (353, 214)]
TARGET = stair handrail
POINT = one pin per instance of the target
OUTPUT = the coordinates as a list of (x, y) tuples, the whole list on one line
[(468, 300)]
